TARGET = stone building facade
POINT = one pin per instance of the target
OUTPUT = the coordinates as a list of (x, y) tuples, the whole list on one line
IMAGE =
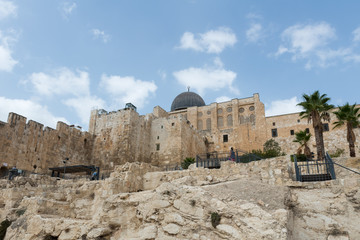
[(161, 138)]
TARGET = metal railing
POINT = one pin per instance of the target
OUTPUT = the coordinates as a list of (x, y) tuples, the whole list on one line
[(314, 170), (214, 159)]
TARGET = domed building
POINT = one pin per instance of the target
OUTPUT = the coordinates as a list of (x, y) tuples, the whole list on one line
[(187, 99)]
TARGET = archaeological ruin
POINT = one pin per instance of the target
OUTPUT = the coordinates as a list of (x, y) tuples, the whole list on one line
[(140, 198)]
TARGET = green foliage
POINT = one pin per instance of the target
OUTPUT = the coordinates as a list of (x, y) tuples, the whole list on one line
[(315, 107), (271, 149), (3, 227), (215, 219), (299, 158), (337, 153), (347, 114), (187, 162), (20, 212), (302, 137)]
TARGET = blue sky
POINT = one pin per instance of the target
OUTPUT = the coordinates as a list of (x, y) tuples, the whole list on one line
[(60, 59)]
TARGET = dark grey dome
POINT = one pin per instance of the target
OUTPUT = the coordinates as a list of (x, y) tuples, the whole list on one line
[(185, 100)]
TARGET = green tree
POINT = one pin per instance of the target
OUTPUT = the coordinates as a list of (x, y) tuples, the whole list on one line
[(316, 108), (187, 162), (349, 115), (302, 137), (271, 148)]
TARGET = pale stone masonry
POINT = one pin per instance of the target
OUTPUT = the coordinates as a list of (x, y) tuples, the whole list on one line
[(161, 138)]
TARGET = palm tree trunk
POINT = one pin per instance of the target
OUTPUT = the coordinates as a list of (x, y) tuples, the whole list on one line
[(317, 124), (351, 139)]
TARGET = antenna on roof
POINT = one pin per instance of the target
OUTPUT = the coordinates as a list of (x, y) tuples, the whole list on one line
[(188, 87)]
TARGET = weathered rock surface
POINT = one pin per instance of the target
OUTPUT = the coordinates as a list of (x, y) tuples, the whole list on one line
[(255, 201)]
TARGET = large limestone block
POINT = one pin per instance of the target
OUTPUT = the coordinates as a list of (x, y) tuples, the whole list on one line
[(172, 229)]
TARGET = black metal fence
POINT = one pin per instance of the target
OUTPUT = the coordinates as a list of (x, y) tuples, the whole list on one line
[(314, 170), (214, 159)]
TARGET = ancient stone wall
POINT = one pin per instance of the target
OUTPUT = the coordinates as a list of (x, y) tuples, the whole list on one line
[(120, 136), (25, 144)]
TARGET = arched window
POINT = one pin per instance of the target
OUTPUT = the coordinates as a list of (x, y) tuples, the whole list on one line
[(200, 125), (220, 121), (241, 119), (252, 118), (208, 124), (229, 120)]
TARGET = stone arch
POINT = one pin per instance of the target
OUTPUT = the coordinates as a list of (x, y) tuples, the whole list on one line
[(241, 119), (229, 120), (220, 121), (252, 119), (200, 125), (208, 124)]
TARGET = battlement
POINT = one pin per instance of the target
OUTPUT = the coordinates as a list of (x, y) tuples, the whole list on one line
[(34, 125), (14, 119)]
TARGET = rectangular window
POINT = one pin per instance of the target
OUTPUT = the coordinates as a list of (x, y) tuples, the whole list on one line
[(158, 147), (307, 130), (172, 124), (274, 132), (225, 138), (292, 132), (273, 123), (325, 127)]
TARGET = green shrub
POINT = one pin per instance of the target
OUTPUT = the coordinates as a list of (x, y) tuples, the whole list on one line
[(271, 149), (338, 152), (215, 219), (20, 212), (299, 158), (187, 162)]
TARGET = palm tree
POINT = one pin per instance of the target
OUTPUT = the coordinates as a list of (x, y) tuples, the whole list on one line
[(316, 108), (349, 115), (303, 138)]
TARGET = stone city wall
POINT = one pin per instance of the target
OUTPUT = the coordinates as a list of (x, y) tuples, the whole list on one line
[(25, 144), (120, 136)]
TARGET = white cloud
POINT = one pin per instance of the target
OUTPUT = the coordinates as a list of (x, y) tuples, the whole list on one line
[(208, 77), (222, 99), (7, 62), (62, 81), (356, 34), (162, 74), (7, 9), (285, 106), (213, 41), (68, 7), (254, 33), (128, 89), (310, 42), (29, 109), (303, 39), (83, 106), (98, 34)]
